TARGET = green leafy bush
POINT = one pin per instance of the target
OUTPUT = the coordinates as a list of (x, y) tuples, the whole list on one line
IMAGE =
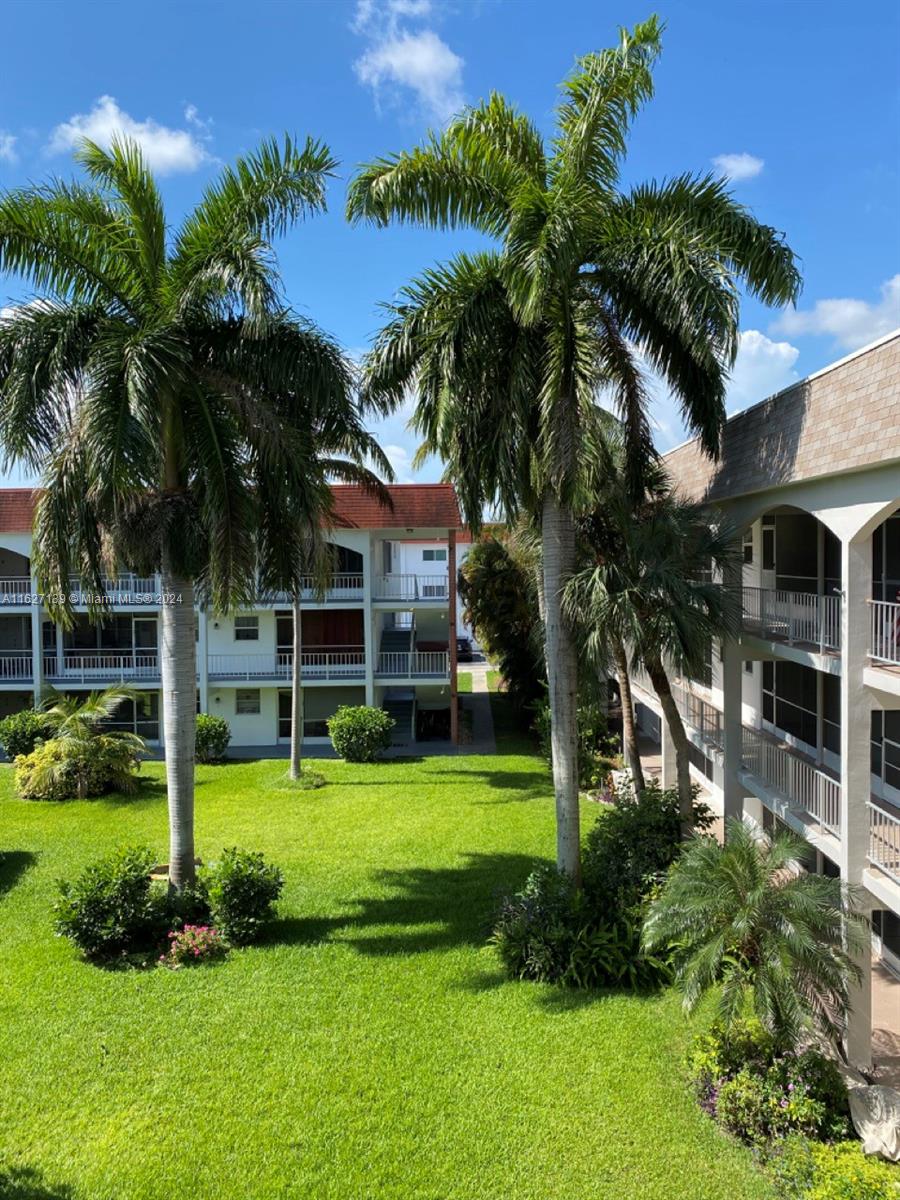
[(111, 908), (213, 737), (759, 1094), (597, 752), (804, 1170), (63, 769), (242, 889), (360, 733), (20, 732)]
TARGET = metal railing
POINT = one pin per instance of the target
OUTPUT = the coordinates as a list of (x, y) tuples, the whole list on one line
[(413, 664), (803, 786), (329, 663), (702, 716), (120, 589), (15, 665), (885, 643), (103, 666), (795, 617), (884, 841), (15, 591), (412, 587), (342, 587)]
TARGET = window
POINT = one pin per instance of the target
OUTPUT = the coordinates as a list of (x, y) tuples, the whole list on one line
[(315, 729), (748, 545), (434, 556), (768, 547), (246, 629), (748, 666), (246, 702)]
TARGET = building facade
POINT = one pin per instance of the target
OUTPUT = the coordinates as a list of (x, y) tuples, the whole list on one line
[(797, 720), (384, 633)]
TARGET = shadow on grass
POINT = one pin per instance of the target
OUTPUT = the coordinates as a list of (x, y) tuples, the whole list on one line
[(26, 1183), (13, 865)]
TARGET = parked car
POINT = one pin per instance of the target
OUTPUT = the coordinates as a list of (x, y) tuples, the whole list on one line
[(464, 649)]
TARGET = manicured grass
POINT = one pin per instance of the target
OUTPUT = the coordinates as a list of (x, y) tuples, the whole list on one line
[(493, 681), (464, 682), (371, 1049)]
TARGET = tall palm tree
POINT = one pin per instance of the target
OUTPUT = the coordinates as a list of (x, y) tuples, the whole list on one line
[(649, 590), (585, 280), (745, 916), (166, 396)]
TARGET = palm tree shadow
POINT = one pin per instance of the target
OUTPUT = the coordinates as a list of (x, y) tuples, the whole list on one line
[(26, 1183), (13, 865)]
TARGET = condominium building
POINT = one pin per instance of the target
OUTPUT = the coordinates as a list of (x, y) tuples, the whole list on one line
[(383, 634), (797, 720)]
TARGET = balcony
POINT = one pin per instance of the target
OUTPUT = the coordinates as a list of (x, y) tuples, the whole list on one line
[(327, 663), (15, 665), (703, 717), (885, 633), (884, 842), (803, 787), (415, 664), (15, 592), (412, 587), (343, 588), (102, 667), (796, 618), (119, 589)]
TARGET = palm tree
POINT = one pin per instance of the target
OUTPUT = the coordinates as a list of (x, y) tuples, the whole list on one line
[(508, 348), (746, 916), (167, 397), (648, 590), (78, 721)]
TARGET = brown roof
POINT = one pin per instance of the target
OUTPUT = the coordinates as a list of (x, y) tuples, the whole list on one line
[(416, 506)]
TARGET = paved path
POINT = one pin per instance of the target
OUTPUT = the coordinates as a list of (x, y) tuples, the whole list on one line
[(478, 703)]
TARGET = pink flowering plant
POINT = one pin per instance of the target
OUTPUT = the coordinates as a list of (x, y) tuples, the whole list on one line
[(194, 944)]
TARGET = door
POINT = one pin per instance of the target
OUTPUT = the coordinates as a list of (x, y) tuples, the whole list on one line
[(146, 653), (284, 716)]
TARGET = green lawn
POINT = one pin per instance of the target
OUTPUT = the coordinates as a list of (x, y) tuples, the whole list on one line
[(370, 1050), (464, 682), (493, 681)]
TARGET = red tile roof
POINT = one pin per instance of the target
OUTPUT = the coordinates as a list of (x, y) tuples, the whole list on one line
[(416, 506)]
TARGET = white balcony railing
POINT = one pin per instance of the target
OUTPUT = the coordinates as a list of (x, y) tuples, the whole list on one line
[(102, 667), (702, 716), (412, 587), (344, 586), (15, 666), (885, 645), (121, 589), (795, 617), (804, 787), (15, 591), (413, 664), (330, 663), (884, 841)]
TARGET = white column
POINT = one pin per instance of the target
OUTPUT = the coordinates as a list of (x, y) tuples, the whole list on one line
[(37, 649), (669, 773), (732, 726), (856, 577), (369, 633), (203, 658)]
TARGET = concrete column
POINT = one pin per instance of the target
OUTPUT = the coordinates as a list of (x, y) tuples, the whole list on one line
[(451, 617), (669, 772), (203, 658), (370, 569), (856, 578), (37, 648), (732, 705)]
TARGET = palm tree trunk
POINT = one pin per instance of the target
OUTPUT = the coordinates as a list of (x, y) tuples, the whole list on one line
[(672, 716), (296, 695), (558, 541), (629, 728), (178, 661)]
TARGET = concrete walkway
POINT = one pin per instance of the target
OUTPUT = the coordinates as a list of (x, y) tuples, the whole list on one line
[(478, 703)]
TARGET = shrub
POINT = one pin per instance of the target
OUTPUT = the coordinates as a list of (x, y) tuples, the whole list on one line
[(809, 1171), (242, 889), (213, 737), (111, 908), (20, 732), (597, 754), (193, 945), (758, 1094), (63, 769), (360, 734)]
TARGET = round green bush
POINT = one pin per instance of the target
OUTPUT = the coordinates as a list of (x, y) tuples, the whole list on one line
[(20, 732), (213, 736), (63, 769), (111, 908), (241, 889), (360, 734)]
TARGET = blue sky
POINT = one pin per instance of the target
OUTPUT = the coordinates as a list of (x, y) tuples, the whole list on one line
[(798, 101)]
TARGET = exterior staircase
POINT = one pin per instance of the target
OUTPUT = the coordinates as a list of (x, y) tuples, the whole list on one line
[(396, 641), (400, 703)]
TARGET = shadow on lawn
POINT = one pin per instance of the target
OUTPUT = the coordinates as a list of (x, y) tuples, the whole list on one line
[(26, 1183), (13, 865)]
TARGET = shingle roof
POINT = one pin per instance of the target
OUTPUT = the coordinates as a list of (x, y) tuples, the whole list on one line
[(416, 506)]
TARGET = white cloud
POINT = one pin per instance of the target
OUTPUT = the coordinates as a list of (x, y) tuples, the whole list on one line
[(401, 460), (852, 323), (738, 166), (8, 147), (400, 57), (165, 150)]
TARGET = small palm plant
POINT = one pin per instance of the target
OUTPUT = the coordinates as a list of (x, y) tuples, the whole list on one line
[(776, 938)]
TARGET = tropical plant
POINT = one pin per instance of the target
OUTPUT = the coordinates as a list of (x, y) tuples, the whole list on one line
[(212, 737), (242, 889), (360, 733), (21, 731), (111, 908), (194, 945), (509, 348), (168, 399), (777, 940), (652, 590), (804, 1170)]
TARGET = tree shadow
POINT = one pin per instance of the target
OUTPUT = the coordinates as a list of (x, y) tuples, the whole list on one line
[(520, 786), (26, 1183), (13, 865)]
